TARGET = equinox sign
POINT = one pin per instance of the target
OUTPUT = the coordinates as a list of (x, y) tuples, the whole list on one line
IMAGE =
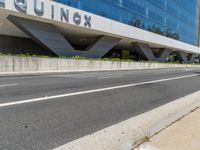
[(39, 8)]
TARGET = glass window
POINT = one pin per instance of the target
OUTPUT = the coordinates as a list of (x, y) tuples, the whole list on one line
[(160, 16)]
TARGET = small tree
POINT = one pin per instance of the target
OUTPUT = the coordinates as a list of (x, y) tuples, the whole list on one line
[(136, 22), (169, 33), (102, 13), (155, 29), (175, 36)]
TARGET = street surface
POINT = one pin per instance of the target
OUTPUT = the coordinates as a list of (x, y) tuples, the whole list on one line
[(40, 112)]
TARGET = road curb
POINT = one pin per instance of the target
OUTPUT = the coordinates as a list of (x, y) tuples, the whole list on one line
[(38, 73), (130, 133)]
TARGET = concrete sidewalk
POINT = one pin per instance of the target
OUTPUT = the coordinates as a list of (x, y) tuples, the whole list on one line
[(182, 135)]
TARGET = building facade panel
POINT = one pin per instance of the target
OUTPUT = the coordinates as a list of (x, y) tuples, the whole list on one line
[(125, 20), (172, 18)]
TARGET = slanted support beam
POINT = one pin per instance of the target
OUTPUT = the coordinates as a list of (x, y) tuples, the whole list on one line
[(181, 56), (48, 36), (163, 54), (44, 34), (102, 46), (144, 50), (191, 57), (147, 52)]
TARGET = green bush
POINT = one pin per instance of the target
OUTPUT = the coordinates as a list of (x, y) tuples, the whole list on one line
[(26, 55), (32, 55), (78, 57)]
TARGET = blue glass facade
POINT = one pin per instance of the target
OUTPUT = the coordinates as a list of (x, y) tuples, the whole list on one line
[(172, 18)]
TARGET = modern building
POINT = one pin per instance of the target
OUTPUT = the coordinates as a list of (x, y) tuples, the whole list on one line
[(139, 29)]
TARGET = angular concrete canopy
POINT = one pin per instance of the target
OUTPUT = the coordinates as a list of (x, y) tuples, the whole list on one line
[(48, 36)]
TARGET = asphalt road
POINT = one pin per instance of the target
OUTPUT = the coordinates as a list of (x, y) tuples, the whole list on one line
[(46, 111)]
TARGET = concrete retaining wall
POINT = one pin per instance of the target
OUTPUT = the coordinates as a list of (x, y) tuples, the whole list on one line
[(15, 64)]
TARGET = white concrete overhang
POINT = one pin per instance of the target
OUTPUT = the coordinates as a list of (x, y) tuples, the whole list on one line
[(99, 26)]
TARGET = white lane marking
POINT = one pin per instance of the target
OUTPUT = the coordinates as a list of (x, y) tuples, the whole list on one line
[(161, 72), (92, 91), (7, 85), (83, 76), (64, 76), (23, 77), (108, 77)]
